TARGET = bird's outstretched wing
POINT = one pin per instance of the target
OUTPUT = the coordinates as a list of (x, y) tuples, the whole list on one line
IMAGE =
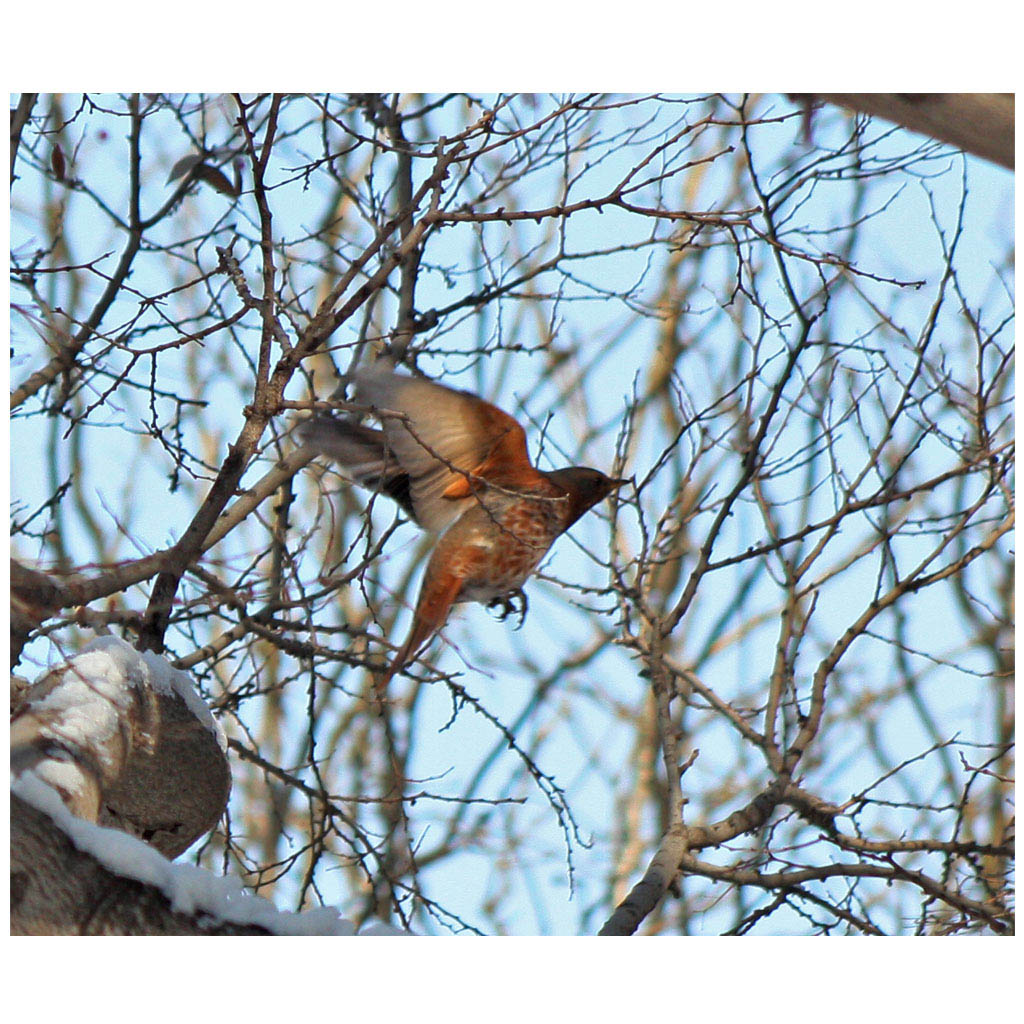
[(433, 453), (364, 455)]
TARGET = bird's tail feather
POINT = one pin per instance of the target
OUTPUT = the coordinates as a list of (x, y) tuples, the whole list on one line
[(431, 613)]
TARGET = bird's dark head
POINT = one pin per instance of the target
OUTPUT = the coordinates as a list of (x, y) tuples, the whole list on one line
[(585, 486)]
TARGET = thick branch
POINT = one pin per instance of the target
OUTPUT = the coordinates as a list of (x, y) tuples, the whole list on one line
[(981, 123)]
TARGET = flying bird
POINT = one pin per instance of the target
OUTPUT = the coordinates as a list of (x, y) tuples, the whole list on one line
[(459, 468)]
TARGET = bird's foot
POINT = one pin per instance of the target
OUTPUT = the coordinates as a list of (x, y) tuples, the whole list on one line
[(512, 602)]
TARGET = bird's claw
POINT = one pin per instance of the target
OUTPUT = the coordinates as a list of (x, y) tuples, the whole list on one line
[(508, 605)]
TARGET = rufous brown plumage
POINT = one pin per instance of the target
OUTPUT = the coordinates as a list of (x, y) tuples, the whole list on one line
[(460, 468)]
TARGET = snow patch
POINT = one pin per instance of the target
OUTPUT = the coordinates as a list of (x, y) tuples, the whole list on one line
[(146, 668), (189, 889)]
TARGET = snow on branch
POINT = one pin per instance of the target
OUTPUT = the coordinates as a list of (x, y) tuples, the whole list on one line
[(116, 765)]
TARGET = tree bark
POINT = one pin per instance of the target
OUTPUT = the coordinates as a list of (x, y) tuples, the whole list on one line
[(981, 123)]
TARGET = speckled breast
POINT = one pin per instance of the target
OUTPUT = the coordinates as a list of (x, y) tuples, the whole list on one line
[(511, 535)]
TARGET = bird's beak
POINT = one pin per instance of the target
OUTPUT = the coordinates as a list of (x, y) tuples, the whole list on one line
[(614, 485)]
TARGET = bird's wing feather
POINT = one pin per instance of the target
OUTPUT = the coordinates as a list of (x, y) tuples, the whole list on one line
[(363, 454), (444, 436)]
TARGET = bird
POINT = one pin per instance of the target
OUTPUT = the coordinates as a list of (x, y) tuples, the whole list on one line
[(458, 466)]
